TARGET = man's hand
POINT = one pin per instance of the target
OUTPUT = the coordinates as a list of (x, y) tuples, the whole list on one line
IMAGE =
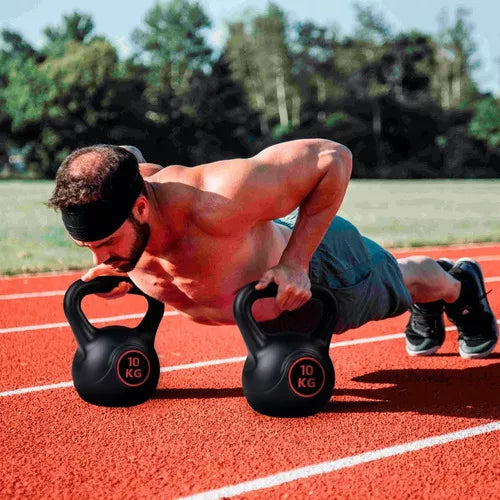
[(104, 270), (294, 286)]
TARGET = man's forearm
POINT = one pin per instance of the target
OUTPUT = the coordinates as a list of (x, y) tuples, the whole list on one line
[(319, 208)]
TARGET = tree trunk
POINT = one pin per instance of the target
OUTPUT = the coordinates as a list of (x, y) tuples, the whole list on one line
[(376, 128), (296, 102), (281, 95), (261, 106), (321, 93)]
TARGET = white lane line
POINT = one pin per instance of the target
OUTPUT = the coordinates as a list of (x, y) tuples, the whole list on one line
[(42, 274), (55, 293), (492, 279), (487, 258), (202, 364), (341, 463), (30, 328), (26, 390), (46, 326), (214, 362), (32, 295)]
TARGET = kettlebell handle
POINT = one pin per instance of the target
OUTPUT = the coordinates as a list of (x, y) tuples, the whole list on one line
[(84, 331), (255, 337)]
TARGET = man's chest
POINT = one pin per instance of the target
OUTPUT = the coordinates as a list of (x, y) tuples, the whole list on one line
[(199, 270)]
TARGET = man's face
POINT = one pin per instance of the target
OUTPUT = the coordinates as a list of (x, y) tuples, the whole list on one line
[(123, 249)]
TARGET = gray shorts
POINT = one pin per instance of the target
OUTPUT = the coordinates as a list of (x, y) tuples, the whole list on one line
[(364, 278)]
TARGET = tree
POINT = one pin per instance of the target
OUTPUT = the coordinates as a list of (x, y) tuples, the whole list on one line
[(261, 61), (455, 59), (14, 50), (76, 27), (225, 126), (485, 124), (14, 46), (240, 52), (371, 25), (313, 50), (172, 43), (407, 66)]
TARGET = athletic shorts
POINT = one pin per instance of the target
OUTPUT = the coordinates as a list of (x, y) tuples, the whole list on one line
[(364, 278)]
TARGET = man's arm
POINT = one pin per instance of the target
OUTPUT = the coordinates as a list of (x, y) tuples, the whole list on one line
[(312, 174), (328, 167), (319, 178)]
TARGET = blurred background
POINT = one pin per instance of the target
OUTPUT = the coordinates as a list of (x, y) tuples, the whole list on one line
[(412, 88)]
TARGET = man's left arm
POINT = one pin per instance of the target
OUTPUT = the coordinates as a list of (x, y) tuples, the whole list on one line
[(312, 174), (333, 164)]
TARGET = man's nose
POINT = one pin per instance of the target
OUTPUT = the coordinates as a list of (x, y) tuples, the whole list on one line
[(100, 256)]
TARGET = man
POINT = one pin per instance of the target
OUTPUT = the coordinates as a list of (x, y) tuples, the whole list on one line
[(192, 237)]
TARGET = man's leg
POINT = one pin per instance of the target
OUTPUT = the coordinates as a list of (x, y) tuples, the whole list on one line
[(459, 289), (427, 281)]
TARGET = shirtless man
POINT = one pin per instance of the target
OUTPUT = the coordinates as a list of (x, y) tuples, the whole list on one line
[(192, 237)]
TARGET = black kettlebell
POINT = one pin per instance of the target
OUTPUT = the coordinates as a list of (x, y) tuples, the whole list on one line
[(287, 374), (114, 365)]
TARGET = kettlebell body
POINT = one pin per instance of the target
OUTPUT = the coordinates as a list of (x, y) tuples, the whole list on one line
[(114, 365), (286, 374)]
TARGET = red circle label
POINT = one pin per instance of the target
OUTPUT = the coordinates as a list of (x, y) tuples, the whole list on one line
[(306, 377), (133, 368)]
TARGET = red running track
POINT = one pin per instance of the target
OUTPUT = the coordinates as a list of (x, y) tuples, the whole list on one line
[(396, 426)]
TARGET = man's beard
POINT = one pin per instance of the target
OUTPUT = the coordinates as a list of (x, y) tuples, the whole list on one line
[(142, 233)]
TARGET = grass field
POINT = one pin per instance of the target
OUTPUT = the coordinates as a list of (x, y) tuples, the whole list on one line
[(394, 213)]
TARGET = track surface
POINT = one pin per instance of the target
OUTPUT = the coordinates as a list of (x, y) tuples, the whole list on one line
[(396, 426)]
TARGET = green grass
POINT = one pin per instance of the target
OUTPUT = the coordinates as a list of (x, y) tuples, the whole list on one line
[(394, 213), (32, 237), (425, 212)]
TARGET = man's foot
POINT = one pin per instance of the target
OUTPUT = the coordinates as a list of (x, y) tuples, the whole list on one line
[(471, 313), (425, 330)]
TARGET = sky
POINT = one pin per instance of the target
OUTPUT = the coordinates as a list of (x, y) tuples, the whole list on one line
[(118, 18)]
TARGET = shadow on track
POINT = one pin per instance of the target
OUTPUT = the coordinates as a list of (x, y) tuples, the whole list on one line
[(471, 392)]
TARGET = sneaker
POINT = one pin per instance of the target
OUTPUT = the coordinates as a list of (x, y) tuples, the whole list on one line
[(425, 330), (471, 313)]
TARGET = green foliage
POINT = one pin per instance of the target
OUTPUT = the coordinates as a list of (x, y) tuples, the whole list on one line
[(485, 124), (173, 42), (14, 46), (371, 25), (279, 131), (334, 119), (405, 103), (29, 92), (76, 27)]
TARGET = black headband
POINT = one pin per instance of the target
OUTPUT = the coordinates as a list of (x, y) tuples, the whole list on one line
[(99, 219)]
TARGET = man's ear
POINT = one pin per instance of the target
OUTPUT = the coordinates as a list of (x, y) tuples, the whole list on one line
[(140, 209)]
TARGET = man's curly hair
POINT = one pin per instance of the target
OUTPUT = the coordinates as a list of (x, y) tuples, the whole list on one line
[(85, 175)]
